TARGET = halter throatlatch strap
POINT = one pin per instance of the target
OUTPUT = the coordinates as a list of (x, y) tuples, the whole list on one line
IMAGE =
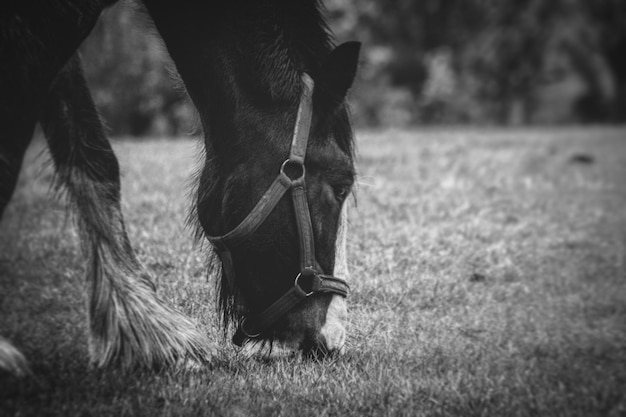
[(309, 281), (257, 216)]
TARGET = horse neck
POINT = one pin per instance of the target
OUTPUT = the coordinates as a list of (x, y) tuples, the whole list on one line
[(241, 60)]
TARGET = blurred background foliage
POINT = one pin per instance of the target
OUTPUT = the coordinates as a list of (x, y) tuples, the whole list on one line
[(494, 62)]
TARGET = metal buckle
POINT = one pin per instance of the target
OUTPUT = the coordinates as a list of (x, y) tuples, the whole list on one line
[(315, 284), (296, 164), (243, 330)]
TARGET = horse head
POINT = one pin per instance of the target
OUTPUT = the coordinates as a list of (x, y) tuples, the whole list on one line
[(278, 253)]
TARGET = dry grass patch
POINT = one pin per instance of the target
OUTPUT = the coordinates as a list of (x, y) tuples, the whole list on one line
[(489, 278)]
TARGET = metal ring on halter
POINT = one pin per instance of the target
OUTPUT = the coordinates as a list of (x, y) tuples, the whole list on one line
[(301, 166), (243, 330), (295, 284)]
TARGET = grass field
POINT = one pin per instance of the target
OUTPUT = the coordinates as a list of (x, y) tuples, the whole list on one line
[(488, 277)]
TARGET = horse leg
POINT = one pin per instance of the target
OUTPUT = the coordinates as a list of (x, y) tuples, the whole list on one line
[(16, 138), (129, 324), (11, 155)]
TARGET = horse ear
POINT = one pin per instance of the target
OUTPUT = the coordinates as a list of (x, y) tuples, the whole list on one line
[(337, 73)]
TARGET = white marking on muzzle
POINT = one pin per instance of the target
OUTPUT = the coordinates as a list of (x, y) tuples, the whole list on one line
[(333, 330)]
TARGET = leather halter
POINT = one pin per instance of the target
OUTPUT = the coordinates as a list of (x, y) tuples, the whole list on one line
[(309, 281)]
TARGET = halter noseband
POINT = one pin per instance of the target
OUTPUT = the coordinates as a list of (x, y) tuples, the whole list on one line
[(309, 281)]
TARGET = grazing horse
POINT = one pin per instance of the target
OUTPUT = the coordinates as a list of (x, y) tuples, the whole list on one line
[(270, 90)]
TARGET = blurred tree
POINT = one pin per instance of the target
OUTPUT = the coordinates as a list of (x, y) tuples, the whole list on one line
[(506, 61), (609, 19), (400, 37), (132, 78), (426, 61)]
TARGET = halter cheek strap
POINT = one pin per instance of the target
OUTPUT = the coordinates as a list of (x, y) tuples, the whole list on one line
[(309, 281)]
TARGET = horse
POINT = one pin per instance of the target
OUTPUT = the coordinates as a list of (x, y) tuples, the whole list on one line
[(270, 89)]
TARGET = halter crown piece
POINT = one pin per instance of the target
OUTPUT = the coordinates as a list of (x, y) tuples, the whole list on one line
[(310, 280)]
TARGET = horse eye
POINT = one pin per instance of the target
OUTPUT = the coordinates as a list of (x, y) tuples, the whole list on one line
[(341, 192)]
